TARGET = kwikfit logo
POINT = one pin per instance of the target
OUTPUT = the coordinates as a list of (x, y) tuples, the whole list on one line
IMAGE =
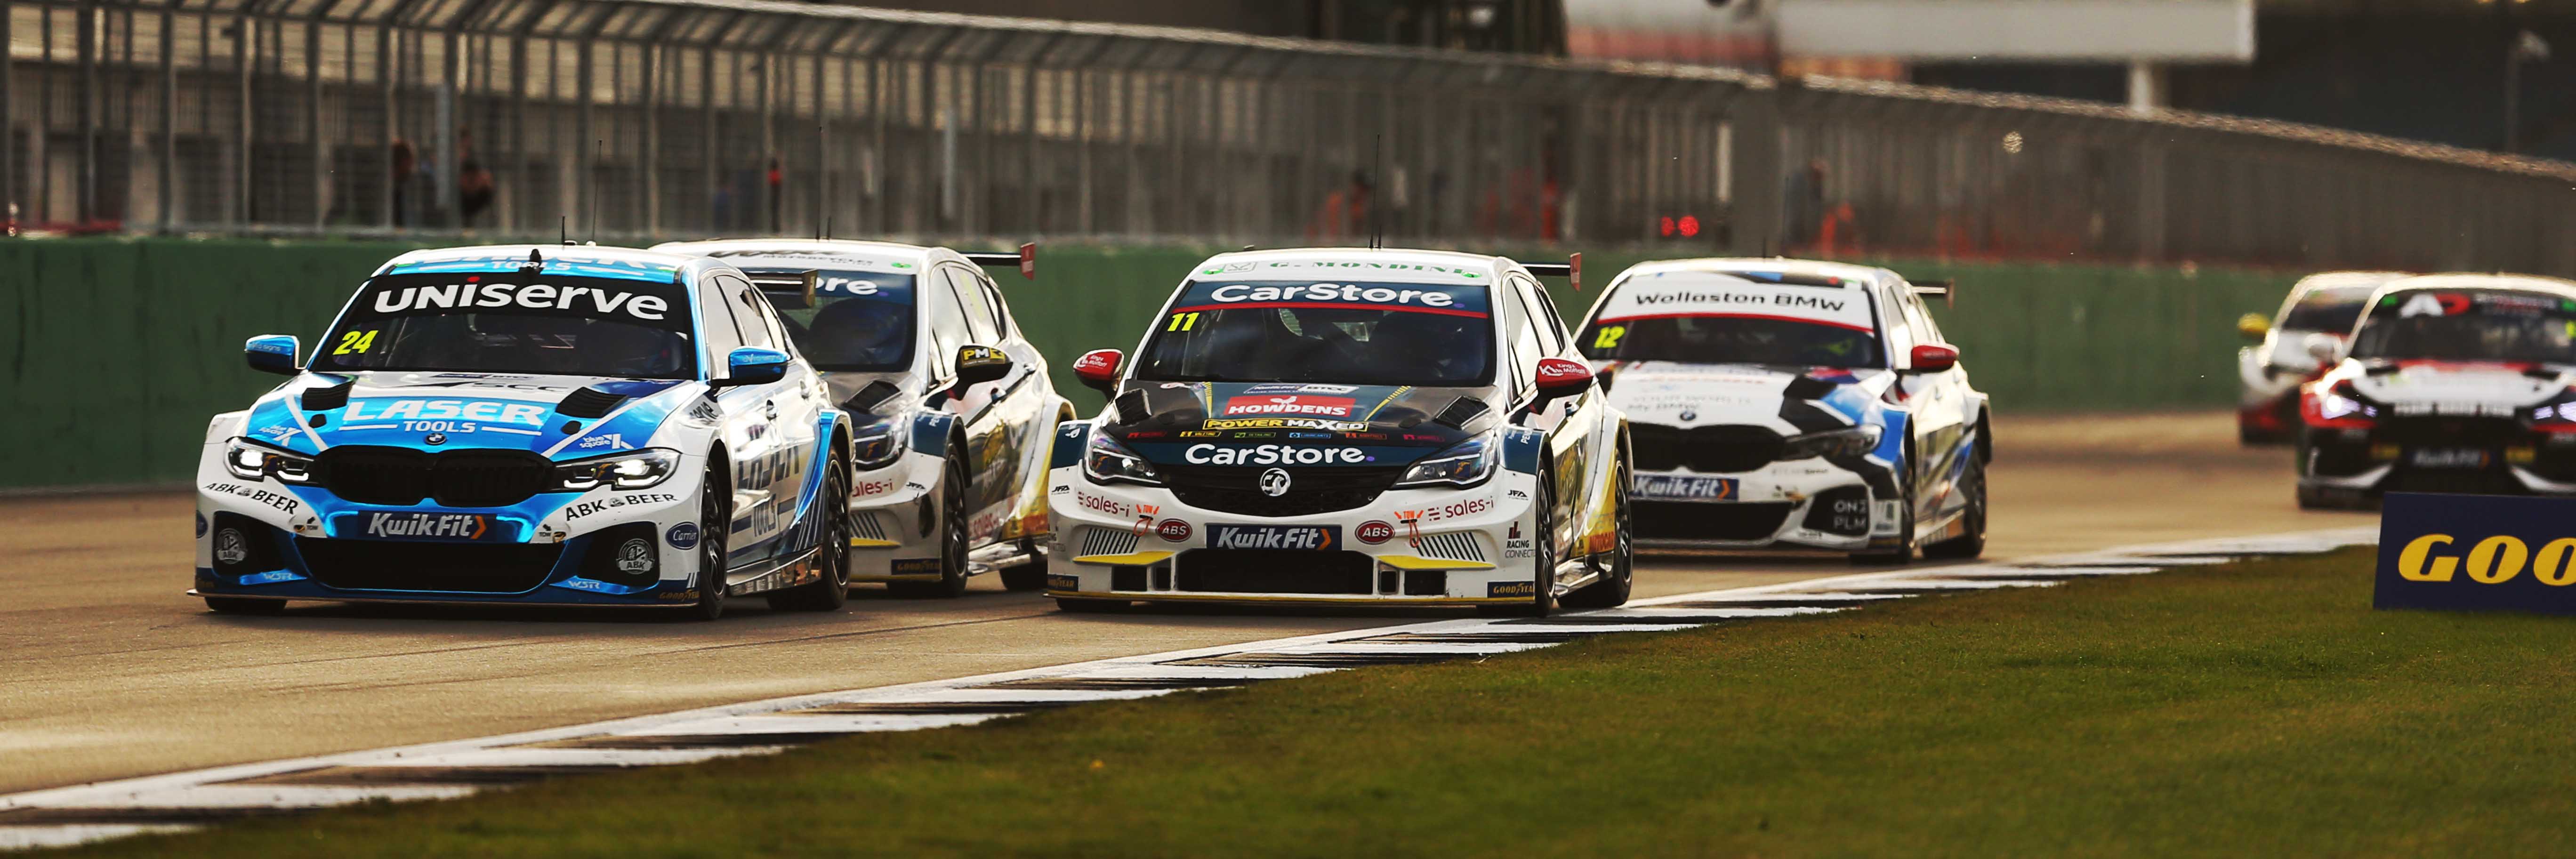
[(1310, 537), (446, 526)]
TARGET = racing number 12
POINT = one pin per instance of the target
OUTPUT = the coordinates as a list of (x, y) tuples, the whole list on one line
[(355, 341), (1608, 337), (1183, 321)]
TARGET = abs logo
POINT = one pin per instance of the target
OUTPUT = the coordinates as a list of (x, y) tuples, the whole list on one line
[(1294, 404), (683, 536), (1174, 530), (1374, 531)]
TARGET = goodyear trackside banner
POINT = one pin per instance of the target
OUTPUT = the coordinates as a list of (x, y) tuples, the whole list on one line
[(2482, 552)]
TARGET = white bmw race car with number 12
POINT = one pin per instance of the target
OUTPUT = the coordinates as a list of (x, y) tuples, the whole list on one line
[(1778, 402), (1346, 426), (950, 405)]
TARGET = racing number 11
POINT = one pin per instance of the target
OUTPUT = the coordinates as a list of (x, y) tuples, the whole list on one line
[(1183, 321), (355, 341)]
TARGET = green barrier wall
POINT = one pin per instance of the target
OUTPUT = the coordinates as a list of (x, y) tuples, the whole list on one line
[(120, 348)]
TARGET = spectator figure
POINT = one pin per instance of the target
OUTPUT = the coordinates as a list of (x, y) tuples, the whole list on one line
[(406, 184), (474, 189), (1804, 204), (1345, 211)]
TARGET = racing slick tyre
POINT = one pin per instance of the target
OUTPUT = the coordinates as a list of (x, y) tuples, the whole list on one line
[(832, 591), (244, 605), (1613, 588), (1973, 542), (1904, 552), (952, 541), (715, 524), (1029, 576), (1542, 563)]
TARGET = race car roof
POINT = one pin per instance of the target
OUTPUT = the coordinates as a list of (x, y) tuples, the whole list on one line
[(1850, 275), (1391, 265), (841, 254), (591, 260), (2549, 286)]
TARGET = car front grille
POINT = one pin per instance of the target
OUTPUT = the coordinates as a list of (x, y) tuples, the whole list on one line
[(1273, 571), (1721, 449), (388, 565), (1310, 490), (370, 474), (1684, 520)]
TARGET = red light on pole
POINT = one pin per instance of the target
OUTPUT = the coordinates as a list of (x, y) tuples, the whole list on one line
[(1690, 226), (1667, 227)]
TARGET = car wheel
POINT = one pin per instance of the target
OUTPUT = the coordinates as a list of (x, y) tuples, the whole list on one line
[(952, 541), (244, 605), (1542, 563), (1904, 552), (1972, 543), (1616, 583), (1029, 576), (715, 524), (832, 591)]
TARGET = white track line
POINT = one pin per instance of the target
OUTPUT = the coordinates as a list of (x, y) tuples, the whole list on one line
[(1007, 693)]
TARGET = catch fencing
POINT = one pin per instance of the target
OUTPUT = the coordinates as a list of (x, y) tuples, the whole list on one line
[(651, 119)]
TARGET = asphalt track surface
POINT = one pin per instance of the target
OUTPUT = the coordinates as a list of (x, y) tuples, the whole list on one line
[(111, 672)]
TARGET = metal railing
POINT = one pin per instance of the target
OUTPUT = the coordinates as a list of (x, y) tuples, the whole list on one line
[(648, 119)]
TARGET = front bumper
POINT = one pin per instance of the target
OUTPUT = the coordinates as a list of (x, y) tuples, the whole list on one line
[(2482, 456), (1408, 546), (1807, 503), (894, 521), (267, 540)]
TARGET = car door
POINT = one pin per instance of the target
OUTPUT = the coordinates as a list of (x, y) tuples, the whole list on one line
[(1025, 408), (794, 410), (1939, 403), (997, 416), (759, 452), (1523, 346)]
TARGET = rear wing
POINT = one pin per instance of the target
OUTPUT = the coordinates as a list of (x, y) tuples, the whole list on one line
[(1571, 269), (788, 290), (1946, 288), (1026, 260)]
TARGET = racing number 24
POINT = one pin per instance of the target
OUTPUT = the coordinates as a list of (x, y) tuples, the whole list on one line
[(355, 341)]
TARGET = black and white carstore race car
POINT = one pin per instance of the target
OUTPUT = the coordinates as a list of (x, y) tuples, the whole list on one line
[(1346, 426), (952, 409), (1777, 402), (2450, 383)]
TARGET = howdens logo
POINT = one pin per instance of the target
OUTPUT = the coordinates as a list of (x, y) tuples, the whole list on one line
[(2491, 561)]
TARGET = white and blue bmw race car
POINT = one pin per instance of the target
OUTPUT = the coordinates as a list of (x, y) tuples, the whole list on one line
[(1778, 402), (1345, 426), (952, 408), (533, 425)]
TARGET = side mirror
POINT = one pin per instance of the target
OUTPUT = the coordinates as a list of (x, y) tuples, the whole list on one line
[(752, 365), (272, 353), (979, 364), (2253, 325), (1559, 378), (1934, 357), (2326, 348), (1098, 370)]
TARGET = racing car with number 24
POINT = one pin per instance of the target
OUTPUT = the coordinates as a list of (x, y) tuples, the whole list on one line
[(533, 425), (1346, 426)]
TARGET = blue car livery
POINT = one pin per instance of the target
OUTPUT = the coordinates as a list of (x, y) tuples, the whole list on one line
[(564, 426)]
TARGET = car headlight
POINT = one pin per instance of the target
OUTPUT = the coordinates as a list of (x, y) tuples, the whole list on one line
[(1107, 461), (251, 460), (1466, 463), (2332, 405), (878, 446), (636, 470), (1831, 443)]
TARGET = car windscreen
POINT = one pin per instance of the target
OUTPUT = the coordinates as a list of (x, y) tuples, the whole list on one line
[(855, 321), (1711, 318), (1302, 331), (514, 323), (2332, 310), (2469, 325)]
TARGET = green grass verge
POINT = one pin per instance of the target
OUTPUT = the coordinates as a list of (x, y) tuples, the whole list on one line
[(2254, 709)]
